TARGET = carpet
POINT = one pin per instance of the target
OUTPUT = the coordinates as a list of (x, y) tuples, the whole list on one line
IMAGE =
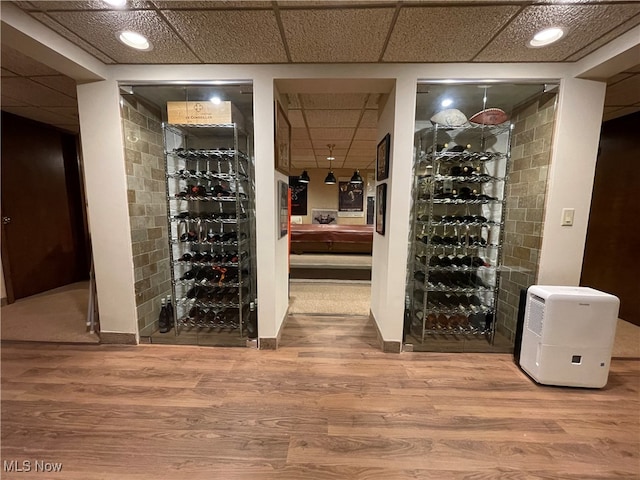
[(329, 298), (57, 315)]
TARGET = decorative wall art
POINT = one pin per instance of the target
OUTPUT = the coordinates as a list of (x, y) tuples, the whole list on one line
[(283, 208), (324, 217), (382, 158), (350, 198), (299, 194), (381, 208)]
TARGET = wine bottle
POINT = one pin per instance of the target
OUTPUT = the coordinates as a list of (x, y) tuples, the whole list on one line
[(252, 321), (407, 317), (170, 311), (163, 318)]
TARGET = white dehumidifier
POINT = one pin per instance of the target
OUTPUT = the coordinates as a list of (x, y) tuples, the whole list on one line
[(568, 335)]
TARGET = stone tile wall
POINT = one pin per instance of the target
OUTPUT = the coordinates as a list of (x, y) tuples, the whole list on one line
[(146, 190), (525, 194)]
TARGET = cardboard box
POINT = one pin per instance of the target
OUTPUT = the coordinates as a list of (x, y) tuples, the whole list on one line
[(203, 113)]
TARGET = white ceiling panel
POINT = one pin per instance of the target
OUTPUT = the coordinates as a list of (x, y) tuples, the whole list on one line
[(336, 35), (85, 5), (60, 83), (331, 135), (366, 134), (369, 119), (624, 92), (441, 34), (20, 64), (7, 73), (337, 101), (296, 119), (511, 45), (33, 93), (101, 30), (232, 37), (332, 118)]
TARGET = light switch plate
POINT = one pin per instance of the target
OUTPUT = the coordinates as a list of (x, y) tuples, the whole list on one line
[(567, 217)]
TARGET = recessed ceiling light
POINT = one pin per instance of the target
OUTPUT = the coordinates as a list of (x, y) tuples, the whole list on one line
[(546, 37), (116, 3), (134, 40), (446, 102), (215, 100)]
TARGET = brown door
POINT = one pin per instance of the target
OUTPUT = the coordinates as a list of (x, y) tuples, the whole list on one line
[(42, 212)]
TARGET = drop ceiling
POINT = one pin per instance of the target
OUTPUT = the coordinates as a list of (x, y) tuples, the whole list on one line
[(258, 32)]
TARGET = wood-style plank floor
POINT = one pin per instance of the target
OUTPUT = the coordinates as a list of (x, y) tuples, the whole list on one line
[(327, 405)]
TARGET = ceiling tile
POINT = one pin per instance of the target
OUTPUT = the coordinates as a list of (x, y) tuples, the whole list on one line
[(7, 101), (331, 135), (33, 93), (367, 144), (7, 73), (585, 24), (332, 118), (333, 101), (296, 119), (20, 64), (621, 112), (233, 37), (294, 100), (87, 5), (321, 144), (336, 35), (366, 134), (434, 34), (62, 83), (604, 39), (362, 152), (72, 37), (208, 4), (626, 92), (369, 119), (101, 28), (373, 100), (39, 115), (618, 77), (635, 69), (70, 113)]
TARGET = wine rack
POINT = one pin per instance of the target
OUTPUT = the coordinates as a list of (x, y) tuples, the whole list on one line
[(457, 231), (210, 200)]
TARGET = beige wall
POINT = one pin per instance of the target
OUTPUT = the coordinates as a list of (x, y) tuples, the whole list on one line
[(325, 197), (525, 195), (146, 193)]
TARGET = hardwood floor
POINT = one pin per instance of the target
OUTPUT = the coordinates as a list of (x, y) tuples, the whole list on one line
[(327, 405)]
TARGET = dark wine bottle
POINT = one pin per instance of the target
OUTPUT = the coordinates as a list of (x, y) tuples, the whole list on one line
[(163, 319), (407, 317)]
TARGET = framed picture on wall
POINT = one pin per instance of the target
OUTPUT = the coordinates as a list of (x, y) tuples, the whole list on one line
[(282, 141), (381, 207), (382, 158), (283, 208)]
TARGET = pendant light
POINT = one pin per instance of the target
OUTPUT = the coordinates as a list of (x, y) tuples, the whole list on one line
[(330, 178), (304, 178), (356, 178)]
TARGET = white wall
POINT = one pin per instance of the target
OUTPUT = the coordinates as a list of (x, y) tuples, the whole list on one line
[(571, 174), (389, 265), (107, 206)]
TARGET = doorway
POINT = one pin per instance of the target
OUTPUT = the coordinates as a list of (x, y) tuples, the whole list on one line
[(44, 234), (334, 135)]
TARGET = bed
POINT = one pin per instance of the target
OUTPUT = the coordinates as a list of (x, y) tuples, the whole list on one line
[(318, 238)]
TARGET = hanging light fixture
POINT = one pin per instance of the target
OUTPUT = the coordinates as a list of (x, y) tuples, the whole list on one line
[(330, 178), (304, 178), (356, 178)]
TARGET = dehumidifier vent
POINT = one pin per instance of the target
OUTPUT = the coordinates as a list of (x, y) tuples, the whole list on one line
[(535, 314)]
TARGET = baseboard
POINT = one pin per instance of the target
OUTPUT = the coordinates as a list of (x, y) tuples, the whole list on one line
[(117, 338), (3, 301), (387, 346), (272, 343)]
